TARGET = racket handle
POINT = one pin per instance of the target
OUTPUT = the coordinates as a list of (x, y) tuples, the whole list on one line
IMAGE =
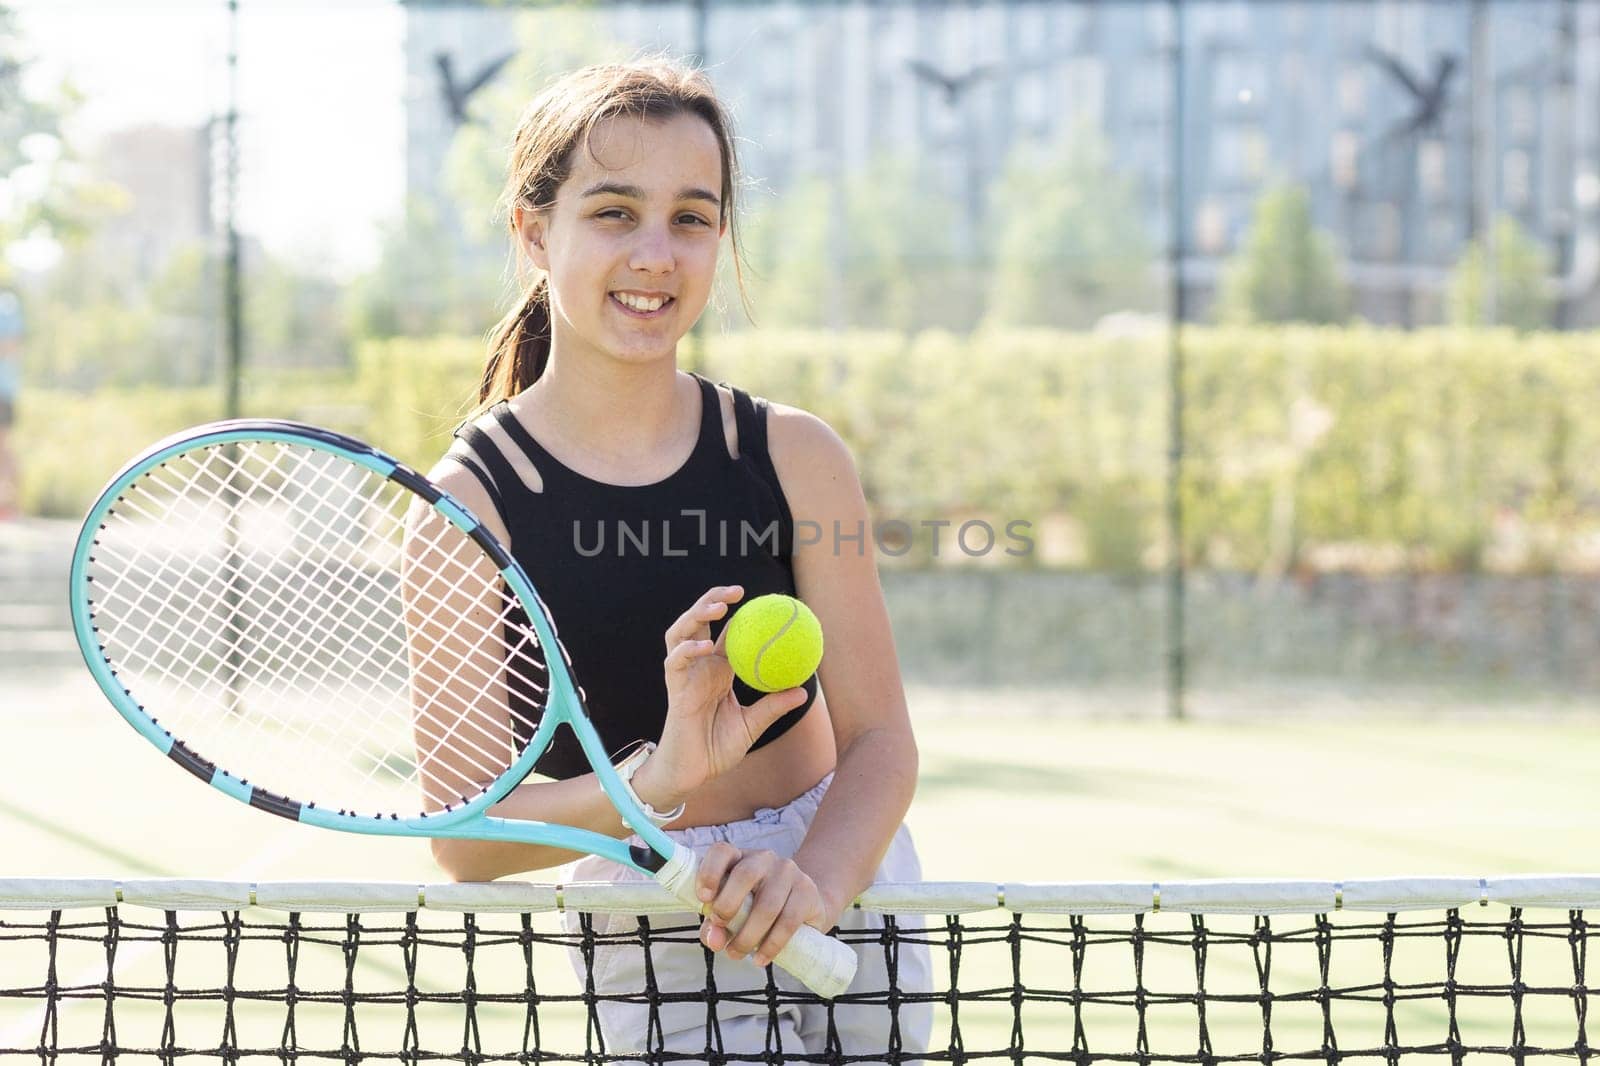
[(817, 960)]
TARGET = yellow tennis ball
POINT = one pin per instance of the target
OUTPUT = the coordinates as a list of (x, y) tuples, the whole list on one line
[(774, 642)]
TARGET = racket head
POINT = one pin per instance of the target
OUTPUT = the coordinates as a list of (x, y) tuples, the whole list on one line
[(246, 580), (270, 604)]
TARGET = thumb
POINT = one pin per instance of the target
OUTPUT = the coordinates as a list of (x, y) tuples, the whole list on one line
[(771, 707)]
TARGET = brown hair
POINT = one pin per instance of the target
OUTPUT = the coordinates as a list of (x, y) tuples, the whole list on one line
[(549, 131)]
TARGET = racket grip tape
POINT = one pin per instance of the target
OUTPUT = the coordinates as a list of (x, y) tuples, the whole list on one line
[(818, 961)]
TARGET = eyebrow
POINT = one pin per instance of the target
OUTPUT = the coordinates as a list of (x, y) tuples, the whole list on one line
[(633, 192)]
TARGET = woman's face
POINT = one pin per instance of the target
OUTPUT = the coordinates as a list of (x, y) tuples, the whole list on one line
[(638, 220)]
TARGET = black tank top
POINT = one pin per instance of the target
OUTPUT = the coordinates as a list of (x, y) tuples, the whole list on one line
[(616, 565)]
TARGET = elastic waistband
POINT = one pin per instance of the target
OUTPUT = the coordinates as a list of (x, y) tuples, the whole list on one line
[(801, 809)]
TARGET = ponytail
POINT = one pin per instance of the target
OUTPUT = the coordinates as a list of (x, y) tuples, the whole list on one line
[(519, 349)]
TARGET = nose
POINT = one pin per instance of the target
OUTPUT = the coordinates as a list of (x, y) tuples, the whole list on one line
[(652, 251)]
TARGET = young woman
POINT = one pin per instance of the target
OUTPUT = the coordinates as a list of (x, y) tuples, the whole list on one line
[(646, 503)]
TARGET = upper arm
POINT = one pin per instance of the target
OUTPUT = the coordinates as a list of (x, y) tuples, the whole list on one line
[(836, 573), (455, 610), (460, 709), (468, 491)]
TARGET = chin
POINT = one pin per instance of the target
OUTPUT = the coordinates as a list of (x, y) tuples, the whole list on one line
[(637, 356)]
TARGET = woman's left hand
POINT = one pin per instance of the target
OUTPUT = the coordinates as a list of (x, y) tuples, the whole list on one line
[(783, 898), (707, 731)]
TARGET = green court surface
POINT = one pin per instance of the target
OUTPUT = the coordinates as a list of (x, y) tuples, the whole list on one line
[(1005, 795)]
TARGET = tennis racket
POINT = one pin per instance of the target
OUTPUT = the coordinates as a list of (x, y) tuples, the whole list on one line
[(318, 631)]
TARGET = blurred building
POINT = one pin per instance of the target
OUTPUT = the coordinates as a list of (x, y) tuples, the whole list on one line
[(165, 172), (1412, 124)]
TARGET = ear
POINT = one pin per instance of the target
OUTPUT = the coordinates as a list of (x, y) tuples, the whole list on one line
[(531, 229)]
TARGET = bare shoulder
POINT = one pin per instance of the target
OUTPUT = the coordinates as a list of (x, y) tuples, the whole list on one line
[(453, 476), (798, 431), (812, 460)]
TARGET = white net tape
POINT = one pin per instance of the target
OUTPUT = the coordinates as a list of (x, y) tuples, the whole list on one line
[(1252, 897)]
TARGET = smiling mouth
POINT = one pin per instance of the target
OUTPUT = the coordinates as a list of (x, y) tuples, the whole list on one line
[(657, 313)]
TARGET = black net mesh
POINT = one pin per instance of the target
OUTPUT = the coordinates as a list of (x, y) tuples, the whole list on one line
[(247, 984)]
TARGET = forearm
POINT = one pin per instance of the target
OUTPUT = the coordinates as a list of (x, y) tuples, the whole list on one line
[(578, 802), (872, 787)]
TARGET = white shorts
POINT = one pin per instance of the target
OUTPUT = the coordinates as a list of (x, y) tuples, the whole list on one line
[(678, 963)]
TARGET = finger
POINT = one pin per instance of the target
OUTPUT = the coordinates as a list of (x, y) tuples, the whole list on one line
[(771, 707), (767, 906), (713, 935), (783, 930), (741, 881), (715, 864), (686, 651), (688, 624), (714, 867), (709, 607)]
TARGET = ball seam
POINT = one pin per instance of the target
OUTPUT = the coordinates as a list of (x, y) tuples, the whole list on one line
[(794, 613)]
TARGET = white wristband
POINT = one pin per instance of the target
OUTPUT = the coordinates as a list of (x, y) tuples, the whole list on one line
[(627, 768)]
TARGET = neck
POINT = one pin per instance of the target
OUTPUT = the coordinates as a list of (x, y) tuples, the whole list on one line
[(618, 411)]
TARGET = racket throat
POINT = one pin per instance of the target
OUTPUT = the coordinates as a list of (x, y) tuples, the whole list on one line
[(647, 859)]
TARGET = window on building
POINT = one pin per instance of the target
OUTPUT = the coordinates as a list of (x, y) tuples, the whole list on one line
[(1229, 19), (1431, 157), (1150, 90), (1158, 24), (1031, 22), (1237, 81), (1241, 153), (1444, 236), (1085, 89), (1344, 159), (1211, 228), (1383, 230), (1352, 92), (1146, 150), (1030, 98), (1292, 72), (1516, 169), (1521, 114)]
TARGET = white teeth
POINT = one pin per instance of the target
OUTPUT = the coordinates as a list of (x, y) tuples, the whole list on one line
[(638, 303)]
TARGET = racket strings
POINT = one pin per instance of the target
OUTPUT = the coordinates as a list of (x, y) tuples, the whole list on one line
[(240, 632), (265, 586), (364, 735), (270, 640), (253, 626), (273, 608), (430, 593)]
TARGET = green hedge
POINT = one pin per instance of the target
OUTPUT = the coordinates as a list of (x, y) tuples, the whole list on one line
[(406, 395), (1305, 446)]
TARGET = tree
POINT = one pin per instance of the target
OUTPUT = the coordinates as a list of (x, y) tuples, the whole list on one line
[(903, 269), (1069, 242), (428, 280), (1520, 297), (1287, 270), (896, 253), (50, 197), (786, 242)]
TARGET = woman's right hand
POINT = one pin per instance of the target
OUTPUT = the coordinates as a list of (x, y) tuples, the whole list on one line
[(708, 732)]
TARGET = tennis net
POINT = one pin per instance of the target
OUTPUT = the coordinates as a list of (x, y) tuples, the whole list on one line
[(1444, 969)]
